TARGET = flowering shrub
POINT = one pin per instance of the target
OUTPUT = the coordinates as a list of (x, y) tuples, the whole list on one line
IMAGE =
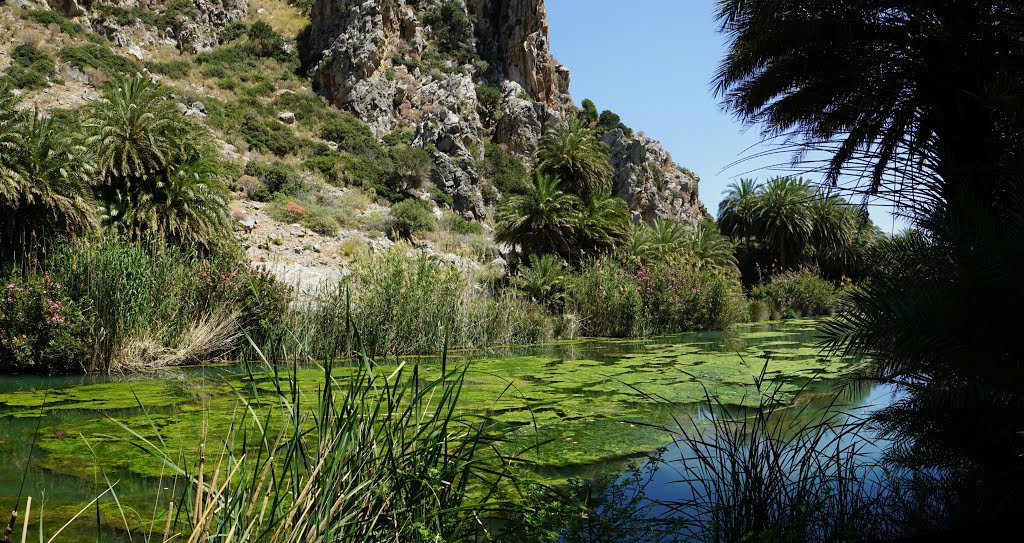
[(797, 294), (41, 328), (294, 211), (678, 296)]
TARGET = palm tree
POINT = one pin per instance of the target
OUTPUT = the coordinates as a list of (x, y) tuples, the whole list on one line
[(193, 208), (134, 130), (737, 212), (869, 82), (44, 191), (835, 223), (666, 238), (708, 248), (542, 221), (925, 98), (572, 152), (159, 173), (637, 250), (604, 224), (784, 218), (543, 281)]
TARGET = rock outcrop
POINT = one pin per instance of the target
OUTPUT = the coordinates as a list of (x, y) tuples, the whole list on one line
[(191, 29), (650, 182), (385, 61)]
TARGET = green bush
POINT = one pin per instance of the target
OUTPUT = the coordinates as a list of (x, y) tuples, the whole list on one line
[(453, 29), (458, 225), (797, 294), (489, 98), (98, 57), (268, 135), (351, 135), (177, 69), (324, 164), (507, 172), (30, 67), (589, 112), (277, 178), (411, 216), (264, 41), (48, 17), (679, 296), (411, 167), (42, 327), (610, 121), (322, 220), (604, 296)]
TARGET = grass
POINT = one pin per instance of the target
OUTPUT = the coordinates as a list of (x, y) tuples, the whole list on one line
[(780, 472)]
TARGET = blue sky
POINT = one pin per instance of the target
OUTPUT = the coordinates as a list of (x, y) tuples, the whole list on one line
[(652, 62)]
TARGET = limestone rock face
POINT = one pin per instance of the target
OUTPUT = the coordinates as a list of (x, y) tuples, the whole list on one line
[(381, 61), (650, 182), (199, 31), (512, 36)]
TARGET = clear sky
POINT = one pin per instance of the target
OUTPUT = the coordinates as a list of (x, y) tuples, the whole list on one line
[(652, 62)]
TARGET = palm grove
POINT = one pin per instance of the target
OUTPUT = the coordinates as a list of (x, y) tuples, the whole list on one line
[(133, 185)]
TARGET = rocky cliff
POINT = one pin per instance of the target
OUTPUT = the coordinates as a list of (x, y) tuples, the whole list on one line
[(419, 65), (189, 25)]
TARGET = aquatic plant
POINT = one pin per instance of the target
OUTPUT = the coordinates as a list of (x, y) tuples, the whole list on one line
[(780, 473)]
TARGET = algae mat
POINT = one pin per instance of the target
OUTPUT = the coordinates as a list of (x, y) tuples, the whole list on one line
[(573, 404)]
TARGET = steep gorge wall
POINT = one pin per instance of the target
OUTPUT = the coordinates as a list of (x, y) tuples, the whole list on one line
[(380, 60)]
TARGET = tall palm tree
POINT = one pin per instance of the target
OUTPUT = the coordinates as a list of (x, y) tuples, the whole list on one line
[(542, 221), (784, 217), (44, 191), (737, 212), (708, 248), (134, 130), (925, 97), (835, 223), (604, 224), (572, 152), (869, 81), (158, 173)]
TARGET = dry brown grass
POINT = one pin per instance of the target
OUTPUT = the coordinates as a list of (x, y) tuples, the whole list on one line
[(212, 335)]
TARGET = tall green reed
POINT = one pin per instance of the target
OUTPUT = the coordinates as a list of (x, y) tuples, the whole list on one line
[(780, 471)]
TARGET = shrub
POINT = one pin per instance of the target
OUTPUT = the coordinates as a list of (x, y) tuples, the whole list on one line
[(98, 57), (30, 67), (489, 98), (351, 135), (507, 172), (411, 167), (605, 298), (797, 294), (453, 29), (458, 225), (322, 220), (264, 41), (411, 216), (177, 69), (42, 328), (277, 178), (679, 296), (48, 17), (589, 113), (609, 121), (268, 135)]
